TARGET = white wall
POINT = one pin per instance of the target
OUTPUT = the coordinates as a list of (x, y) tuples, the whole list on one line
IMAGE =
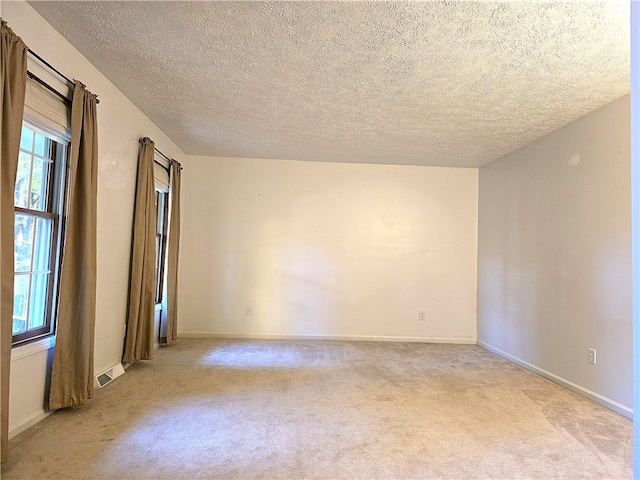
[(554, 256), (330, 250), (120, 125)]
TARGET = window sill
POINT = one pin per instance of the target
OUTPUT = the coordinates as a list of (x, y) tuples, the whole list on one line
[(32, 348)]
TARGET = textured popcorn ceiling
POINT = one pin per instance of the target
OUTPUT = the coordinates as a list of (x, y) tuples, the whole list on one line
[(455, 83)]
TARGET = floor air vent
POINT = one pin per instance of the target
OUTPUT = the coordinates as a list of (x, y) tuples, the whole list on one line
[(105, 377), (108, 375)]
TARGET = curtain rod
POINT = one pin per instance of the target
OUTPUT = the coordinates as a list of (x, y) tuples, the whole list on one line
[(166, 158), (162, 165), (170, 160), (37, 79), (54, 69)]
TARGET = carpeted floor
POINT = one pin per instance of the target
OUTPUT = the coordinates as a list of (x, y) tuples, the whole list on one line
[(317, 409)]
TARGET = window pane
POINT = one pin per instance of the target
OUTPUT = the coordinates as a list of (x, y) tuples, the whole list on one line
[(20, 302), (22, 180), (43, 239), (158, 261), (39, 184), (26, 139), (38, 305), (160, 199), (24, 230), (40, 146)]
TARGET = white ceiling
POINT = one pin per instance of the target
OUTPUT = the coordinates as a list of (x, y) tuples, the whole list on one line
[(445, 83)]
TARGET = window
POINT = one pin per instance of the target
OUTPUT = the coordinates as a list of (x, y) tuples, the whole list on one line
[(161, 181), (162, 214), (38, 201)]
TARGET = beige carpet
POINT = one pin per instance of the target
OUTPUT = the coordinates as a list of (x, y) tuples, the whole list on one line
[(319, 409)]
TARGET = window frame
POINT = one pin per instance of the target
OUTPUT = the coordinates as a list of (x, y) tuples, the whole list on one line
[(59, 151)]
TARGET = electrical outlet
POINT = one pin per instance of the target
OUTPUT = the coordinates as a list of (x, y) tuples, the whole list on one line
[(421, 316), (592, 356), (249, 311)]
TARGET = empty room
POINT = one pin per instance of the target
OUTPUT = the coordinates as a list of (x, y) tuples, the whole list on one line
[(317, 239)]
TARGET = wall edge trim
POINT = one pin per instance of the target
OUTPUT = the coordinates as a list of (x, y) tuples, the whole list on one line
[(368, 338), (574, 387)]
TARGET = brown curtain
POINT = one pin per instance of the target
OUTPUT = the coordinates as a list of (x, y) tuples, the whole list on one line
[(72, 369), (142, 280), (172, 254), (13, 81)]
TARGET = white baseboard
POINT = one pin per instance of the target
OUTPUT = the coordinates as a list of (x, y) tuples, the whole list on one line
[(363, 338), (574, 387), (29, 422)]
